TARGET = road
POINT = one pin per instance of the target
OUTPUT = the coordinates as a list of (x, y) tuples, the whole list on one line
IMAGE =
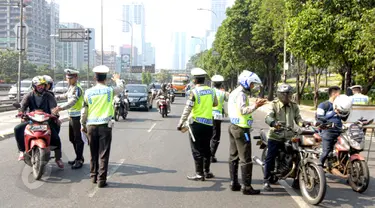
[(148, 166)]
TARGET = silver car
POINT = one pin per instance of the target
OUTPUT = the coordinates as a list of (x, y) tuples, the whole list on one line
[(25, 88)]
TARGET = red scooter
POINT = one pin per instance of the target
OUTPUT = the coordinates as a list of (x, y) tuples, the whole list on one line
[(163, 107), (37, 140)]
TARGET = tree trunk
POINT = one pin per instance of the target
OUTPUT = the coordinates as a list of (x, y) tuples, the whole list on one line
[(342, 74), (270, 84), (298, 98), (317, 75), (348, 78)]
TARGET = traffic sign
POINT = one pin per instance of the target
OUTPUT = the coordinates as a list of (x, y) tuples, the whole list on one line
[(18, 25)]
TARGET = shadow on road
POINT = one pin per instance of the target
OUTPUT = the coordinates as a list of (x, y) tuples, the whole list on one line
[(139, 120)]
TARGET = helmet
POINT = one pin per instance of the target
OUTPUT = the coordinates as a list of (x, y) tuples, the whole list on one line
[(247, 78), (217, 78), (163, 86), (36, 82), (342, 105), (198, 72), (284, 93), (49, 81)]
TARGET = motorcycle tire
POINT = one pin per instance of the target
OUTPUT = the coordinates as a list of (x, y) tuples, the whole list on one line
[(165, 112), (361, 173), (162, 112), (117, 114), (264, 155), (321, 178), (39, 162)]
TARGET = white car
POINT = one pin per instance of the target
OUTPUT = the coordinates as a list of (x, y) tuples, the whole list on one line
[(25, 88), (61, 87)]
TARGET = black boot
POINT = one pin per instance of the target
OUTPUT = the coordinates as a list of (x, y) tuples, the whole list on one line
[(199, 176), (75, 151), (233, 172), (214, 145), (247, 171), (207, 173)]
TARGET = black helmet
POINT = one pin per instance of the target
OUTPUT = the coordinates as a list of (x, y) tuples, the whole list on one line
[(163, 86), (284, 93)]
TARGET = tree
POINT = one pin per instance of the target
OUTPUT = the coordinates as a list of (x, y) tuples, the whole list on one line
[(163, 76)]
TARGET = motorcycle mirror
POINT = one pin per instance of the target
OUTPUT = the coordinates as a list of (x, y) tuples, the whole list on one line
[(256, 137), (149, 92), (126, 91), (16, 105)]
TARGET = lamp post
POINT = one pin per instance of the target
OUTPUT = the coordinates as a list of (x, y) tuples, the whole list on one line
[(131, 44), (54, 54), (203, 9), (102, 47), (21, 49)]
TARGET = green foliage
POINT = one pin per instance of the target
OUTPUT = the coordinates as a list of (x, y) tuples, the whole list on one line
[(146, 78), (163, 76)]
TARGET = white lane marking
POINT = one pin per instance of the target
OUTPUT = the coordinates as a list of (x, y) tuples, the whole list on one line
[(297, 198), (111, 172), (151, 127)]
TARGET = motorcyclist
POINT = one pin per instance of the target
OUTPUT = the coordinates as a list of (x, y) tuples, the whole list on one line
[(163, 92), (50, 84), (38, 99), (335, 110), (285, 111)]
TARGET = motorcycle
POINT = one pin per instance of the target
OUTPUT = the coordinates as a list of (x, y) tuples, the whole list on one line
[(171, 95), (121, 105), (295, 160), (163, 107), (345, 161), (37, 140)]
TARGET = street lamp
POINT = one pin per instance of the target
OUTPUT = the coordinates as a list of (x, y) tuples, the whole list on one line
[(131, 44), (54, 55), (101, 7), (203, 9), (203, 42)]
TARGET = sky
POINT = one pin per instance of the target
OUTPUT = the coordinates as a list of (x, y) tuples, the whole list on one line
[(163, 17)]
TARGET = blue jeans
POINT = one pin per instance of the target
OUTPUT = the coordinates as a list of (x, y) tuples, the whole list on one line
[(272, 152), (329, 140)]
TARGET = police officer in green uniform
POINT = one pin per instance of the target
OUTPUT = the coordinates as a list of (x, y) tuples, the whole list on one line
[(97, 120), (201, 100), (217, 113), (358, 98), (74, 104), (239, 111)]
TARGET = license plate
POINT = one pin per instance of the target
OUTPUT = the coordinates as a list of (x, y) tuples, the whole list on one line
[(38, 128)]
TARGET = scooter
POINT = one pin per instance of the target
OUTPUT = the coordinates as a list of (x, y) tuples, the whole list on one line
[(163, 107), (171, 95), (37, 140), (346, 161), (121, 106)]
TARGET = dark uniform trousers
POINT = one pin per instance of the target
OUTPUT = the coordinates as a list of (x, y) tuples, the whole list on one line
[(240, 153), (75, 136), (100, 138), (201, 147), (215, 140)]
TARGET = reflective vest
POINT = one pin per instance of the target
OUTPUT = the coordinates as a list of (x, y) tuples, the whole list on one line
[(217, 112), (100, 104), (202, 110), (234, 111), (360, 99), (75, 111)]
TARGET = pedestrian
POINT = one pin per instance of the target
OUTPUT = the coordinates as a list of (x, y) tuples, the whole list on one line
[(74, 106), (358, 98), (240, 110), (97, 121), (283, 110), (217, 113), (200, 102)]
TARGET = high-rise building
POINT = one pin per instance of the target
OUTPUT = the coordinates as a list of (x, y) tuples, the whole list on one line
[(134, 13), (108, 60), (73, 52), (88, 52), (56, 55), (179, 52), (125, 49), (219, 7), (37, 18), (149, 54)]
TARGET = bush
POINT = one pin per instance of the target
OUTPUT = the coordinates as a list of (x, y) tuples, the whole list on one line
[(310, 96)]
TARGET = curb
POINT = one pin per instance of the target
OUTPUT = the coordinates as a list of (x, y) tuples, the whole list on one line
[(11, 134)]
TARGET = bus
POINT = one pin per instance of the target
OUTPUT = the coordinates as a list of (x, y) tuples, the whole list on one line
[(179, 82)]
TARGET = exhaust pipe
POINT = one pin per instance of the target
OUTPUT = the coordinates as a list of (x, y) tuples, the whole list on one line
[(336, 172), (258, 160)]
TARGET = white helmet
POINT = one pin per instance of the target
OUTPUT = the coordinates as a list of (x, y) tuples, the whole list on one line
[(197, 72), (247, 77), (217, 78), (343, 105)]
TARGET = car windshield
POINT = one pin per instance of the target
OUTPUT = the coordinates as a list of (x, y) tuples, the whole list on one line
[(61, 84), (25, 84), (136, 89)]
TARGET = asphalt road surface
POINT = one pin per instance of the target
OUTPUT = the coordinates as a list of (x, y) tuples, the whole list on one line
[(148, 166)]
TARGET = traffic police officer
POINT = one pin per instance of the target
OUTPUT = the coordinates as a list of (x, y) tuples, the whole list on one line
[(74, 104), (97, 120), (201, 100), (217, 113), (358, 98), (239, 110)]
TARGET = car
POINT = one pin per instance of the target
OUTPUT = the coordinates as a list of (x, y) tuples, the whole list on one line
[(139, 96), (25, 88), (61, 87)]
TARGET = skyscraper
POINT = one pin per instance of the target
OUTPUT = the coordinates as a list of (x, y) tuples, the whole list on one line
[(135, 14), (179, 52), (219, 7), (73, 52), (149, 54)]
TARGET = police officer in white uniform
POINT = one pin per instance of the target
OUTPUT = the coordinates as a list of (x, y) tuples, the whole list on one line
[(358, 98)]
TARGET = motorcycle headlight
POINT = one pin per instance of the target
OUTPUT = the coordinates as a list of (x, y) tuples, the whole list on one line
[(143, 99), (354, 144)]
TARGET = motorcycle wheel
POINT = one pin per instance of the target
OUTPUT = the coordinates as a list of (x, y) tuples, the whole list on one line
[(165, 111), (117, 114), (162, 112), (38, 161), (359, 178), (316, 179)]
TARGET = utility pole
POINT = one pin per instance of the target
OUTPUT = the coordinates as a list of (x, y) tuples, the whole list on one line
[(102, 32), (21, 48), (88, 38)]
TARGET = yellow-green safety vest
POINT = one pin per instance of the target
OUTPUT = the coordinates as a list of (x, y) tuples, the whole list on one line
[(217, 111), (75, 111), (359, 99), (236, 118), (100, 104), (202, 110)]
